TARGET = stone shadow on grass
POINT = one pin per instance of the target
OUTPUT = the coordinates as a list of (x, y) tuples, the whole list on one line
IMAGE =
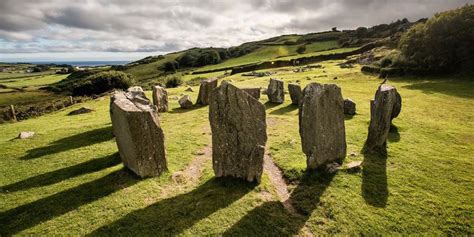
[(285, 110), (73, 142), (393, 134), (269, 105), (458, 88), (272, 219), (170, 217), (374, 179), (181, 110), (34, 213), (59, 175)]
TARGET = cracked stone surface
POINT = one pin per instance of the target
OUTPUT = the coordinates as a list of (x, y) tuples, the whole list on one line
[(238, 133)]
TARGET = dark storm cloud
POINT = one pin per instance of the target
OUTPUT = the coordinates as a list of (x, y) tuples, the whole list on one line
[(166, 25)]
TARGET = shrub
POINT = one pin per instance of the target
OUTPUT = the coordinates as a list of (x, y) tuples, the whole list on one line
[(102, 82), (173, 81), (301, 49), (171, 66), (445, 42)]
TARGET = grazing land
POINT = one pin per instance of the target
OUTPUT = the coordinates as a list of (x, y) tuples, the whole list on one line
[(69, 179)]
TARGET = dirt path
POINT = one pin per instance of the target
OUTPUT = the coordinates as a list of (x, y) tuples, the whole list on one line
[(193, 170)]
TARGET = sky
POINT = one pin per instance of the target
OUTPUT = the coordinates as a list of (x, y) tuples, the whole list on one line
[(58, 30)]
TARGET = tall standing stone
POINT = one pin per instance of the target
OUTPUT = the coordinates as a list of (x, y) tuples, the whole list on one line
[(160, 98), (139, 137), (276, 91), (238, 133), (295, 93), (205, 91), (321, 124), (385, 106)]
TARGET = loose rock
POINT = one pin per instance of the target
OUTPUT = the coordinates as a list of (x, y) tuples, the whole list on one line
[(295, 93), (349, 107), (160, 98), (276, 91), (205, 91), (190, 89), (353, 166), (139, 137), (238, 133), (254, 92), (25, 135), (321, 125), (82, 110), (185, 102), (385, 106)]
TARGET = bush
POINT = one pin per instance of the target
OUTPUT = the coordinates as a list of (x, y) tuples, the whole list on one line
[(444, 43), (301, 49), (173, 81), (171, 66), (102, 82)]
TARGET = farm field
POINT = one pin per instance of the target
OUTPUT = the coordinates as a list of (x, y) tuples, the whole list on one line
[(68, 179)]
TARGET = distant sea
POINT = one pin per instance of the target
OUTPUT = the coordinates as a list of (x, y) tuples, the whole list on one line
[(83, 63)]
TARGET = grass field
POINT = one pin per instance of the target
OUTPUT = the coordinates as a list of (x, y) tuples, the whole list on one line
[(68, 179)]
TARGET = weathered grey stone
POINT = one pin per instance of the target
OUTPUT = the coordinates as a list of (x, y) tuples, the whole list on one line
[(185, 102), (25, 135), (238, 133), (160, 98), (385, 106), (295, 93), (321, 125), (349, 107), (276, 91), (254, 92), (135, 89), (205, 91), (82, 110), (138, 134), (189, 89)]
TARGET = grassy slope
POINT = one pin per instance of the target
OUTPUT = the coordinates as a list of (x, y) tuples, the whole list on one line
[(68, 179), (151, 70)]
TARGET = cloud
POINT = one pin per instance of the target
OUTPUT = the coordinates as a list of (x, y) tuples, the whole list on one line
[(150, 26)]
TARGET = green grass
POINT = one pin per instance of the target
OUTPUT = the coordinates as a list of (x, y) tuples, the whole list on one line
[(68, 178), (33, 81), (152, 70)]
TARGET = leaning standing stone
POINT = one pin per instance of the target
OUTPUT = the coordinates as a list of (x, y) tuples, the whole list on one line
[(321, 122), (254, 92), (385, 107), (205, 91), (295, 93), (238, 133), (276, 91), (160, 98), (138, 134)]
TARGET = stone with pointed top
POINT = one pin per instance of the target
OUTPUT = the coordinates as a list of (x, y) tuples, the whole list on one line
[(160, 98)]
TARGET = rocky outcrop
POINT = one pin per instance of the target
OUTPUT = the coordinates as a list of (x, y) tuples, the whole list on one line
[(349, 107), (254, 92), (295, 93), (238, 133), (139, 137), (205, 91), (321, 125), (276, 91), (160, 98), (385, 106), (185, 102)]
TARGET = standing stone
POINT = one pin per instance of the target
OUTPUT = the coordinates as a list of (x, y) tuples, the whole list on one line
[(138, 134), (160, 98), (349, 107), (295, 93), (321, 124), (254, 92), (276, 91), (185, 102), (135, 89), (385, 107), (205, 91), (238, 133)]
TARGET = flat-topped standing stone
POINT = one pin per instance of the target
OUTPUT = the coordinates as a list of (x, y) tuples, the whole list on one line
[(349, 107), (138, 134), (205, 91), (321, 125), (185, 102), (295, 93), (276, 91), (254, 92), (385, 107), (238, 133), (160, 98)]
